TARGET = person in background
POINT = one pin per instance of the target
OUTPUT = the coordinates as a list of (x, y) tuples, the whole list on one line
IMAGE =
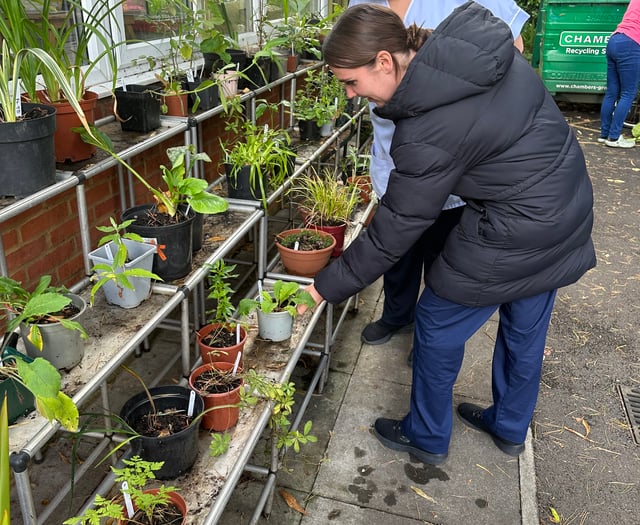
[(623, 75), (402, 282), (472, 119)]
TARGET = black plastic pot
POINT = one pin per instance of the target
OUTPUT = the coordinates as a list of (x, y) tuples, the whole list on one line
[(139, 108), (213, 62), (209, 97), (196, 232), (20, 400), (27, 152), (178, 451), (258, 74), (175, 240), (309, 130), (239, 185)]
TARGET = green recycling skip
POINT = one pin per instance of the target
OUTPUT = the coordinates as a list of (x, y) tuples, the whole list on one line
[(584, 42)]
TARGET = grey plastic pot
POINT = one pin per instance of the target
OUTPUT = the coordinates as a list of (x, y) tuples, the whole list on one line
[(141, 256), (275, 326), (63, 348)]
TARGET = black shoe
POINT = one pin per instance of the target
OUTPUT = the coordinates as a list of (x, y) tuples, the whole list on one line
[(410, 359), (389, 432), (471, 416), (379, 332)]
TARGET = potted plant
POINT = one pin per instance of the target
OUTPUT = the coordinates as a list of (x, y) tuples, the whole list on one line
[(297, 33), (169, 219), (257, 157), (318, 103), (326, 203), (222, 338), (136, 503), (219, 385), (48, 318), (305, 251), (122, 266), (77, 26), (163, 428), (27, 130), (276, 309)]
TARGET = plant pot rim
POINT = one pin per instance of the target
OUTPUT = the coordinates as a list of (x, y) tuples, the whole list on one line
[(293, 231), (76, 299), (215, 365)]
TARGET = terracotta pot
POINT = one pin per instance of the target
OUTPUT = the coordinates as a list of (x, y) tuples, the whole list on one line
[(363, 183), (304, 263), (69, 146), (211, 354), (224, 417), (174, 498), (292, 63), (177, 105), (338, 233)]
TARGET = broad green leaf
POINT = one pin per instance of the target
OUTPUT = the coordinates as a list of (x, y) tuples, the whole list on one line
[(40, 377), (61, 408), (45, 303), (208, 203)]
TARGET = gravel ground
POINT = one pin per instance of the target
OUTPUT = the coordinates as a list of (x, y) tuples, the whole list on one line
[(587, 462)]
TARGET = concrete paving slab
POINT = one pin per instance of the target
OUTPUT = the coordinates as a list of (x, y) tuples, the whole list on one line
[(477, 480), (322, 511)]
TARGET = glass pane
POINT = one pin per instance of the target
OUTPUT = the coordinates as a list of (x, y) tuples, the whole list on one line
[(153, 19)]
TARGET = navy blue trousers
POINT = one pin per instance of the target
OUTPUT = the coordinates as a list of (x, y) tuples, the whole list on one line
[(441, 330)]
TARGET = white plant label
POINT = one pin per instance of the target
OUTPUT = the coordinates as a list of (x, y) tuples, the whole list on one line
[(236, 364), (192, 403), (18, 105), (127, 500)]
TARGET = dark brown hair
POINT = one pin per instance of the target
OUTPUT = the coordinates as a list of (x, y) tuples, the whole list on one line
[(365, 29)]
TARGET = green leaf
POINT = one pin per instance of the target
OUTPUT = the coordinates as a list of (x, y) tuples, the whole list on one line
[(45, 303), (40, 377), (208, 203), (61, 408)]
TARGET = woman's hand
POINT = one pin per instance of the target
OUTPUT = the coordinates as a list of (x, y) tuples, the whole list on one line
[(316, 297)]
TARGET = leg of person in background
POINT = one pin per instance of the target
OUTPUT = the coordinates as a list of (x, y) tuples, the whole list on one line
[(433, 243), (515, 373), (402, 283), (625, 53), (611, 95)]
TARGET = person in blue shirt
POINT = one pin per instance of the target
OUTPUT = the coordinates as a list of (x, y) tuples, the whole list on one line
[(402, 283)]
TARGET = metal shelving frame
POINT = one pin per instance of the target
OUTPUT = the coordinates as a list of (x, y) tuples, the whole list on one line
[(109, 352)]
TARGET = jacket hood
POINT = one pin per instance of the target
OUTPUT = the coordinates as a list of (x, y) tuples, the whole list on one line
[(468, 53)]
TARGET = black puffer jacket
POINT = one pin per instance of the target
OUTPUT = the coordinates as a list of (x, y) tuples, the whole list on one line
[(473, 119)]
